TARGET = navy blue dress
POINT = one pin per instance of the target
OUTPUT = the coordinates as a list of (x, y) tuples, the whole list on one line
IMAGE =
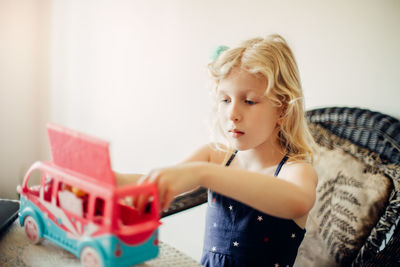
[(238, 235)]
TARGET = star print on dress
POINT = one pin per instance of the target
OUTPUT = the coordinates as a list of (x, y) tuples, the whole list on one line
[(244, 234), (211, 201)]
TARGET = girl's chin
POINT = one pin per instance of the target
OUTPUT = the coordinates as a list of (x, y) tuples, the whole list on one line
[(243, 146), (239, 145)]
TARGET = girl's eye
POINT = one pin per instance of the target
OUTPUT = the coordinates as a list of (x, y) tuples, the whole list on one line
[(250, 102), (224, 100)]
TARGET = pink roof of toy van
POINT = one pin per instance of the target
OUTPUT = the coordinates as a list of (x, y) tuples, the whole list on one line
[(80, 153)]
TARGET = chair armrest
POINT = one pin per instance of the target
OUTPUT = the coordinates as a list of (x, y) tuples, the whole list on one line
[(390, 254), (186, 201)]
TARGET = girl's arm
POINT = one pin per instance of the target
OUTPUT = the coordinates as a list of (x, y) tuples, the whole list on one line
[(202, 154), (291, 195)]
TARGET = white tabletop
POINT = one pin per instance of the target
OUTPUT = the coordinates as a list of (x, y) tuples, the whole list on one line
[(16, 250)]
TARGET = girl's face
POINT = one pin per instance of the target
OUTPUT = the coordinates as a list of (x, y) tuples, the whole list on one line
[(246, 115)]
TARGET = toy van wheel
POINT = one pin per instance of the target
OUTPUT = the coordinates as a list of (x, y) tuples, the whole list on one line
[(91, 258), (32, 229)]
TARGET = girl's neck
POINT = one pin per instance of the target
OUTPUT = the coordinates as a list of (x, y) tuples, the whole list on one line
[(259, 158)]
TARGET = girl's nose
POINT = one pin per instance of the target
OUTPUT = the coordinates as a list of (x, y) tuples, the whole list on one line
[(235, 114)]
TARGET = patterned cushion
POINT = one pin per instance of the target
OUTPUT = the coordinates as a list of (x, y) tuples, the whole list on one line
[(353, 190)]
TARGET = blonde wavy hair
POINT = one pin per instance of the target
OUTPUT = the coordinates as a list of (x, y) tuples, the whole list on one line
[(272, 58)]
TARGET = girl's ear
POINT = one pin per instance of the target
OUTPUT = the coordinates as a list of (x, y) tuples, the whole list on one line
[(280, 121), (283, 110), (282, 114)]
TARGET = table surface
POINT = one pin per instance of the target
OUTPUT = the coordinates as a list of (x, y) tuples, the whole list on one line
[(16, 250)]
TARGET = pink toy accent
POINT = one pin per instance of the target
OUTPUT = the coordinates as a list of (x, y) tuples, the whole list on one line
[(80, 153), (32, 229), (90, 258), (78, 206), (128, 215)]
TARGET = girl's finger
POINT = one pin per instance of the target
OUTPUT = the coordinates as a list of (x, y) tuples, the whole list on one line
[(161, 195), (142, 201), (169, 197), (143, 179), (151, 177)]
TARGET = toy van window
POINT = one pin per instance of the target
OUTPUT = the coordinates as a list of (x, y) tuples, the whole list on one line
[(33, 183), (47, 184), (99, 210), (132, 212), (73, 199)]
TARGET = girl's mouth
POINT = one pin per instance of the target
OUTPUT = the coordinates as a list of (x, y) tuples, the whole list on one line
[(236, 133)]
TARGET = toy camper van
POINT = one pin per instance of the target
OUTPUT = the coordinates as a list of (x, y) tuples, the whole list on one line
[(78, 205)]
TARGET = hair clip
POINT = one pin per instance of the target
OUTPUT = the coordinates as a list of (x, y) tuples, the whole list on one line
[(294, 100), (217, 51)]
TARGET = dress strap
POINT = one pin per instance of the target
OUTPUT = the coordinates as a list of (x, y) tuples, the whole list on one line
[(231, 158), (278, 169)]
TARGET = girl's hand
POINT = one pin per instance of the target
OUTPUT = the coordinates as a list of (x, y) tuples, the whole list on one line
[(175, 180), (124, 179)]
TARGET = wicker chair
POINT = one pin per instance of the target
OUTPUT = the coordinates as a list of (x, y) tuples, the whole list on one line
[(377, 132)]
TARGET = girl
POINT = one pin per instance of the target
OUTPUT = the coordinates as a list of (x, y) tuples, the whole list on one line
[(261, 184)]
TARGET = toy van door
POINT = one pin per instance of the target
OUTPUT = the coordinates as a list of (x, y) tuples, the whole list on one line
[(72, 211), (132, 225)]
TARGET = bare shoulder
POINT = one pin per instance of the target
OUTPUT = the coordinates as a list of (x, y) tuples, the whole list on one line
[(300, 171), (213, 153), (219, 153)]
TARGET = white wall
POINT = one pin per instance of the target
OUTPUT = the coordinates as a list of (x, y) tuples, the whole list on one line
[(133, 73), (24, 74)]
